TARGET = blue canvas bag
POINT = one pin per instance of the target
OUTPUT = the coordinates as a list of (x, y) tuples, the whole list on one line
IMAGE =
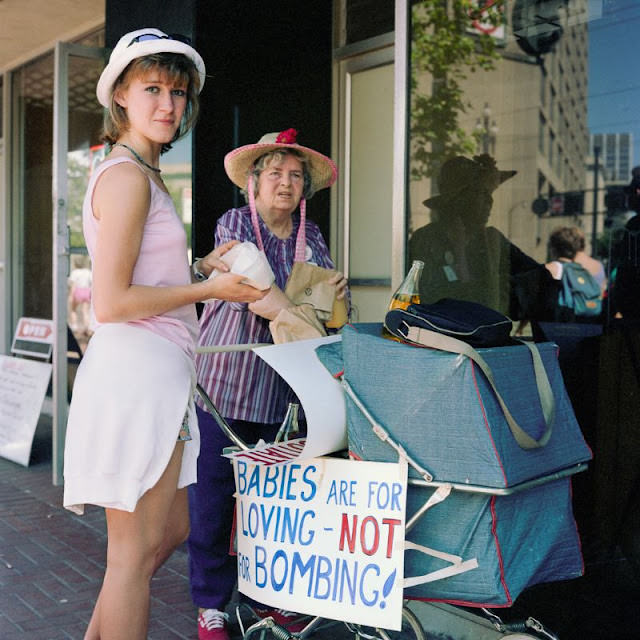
[(509, 509)]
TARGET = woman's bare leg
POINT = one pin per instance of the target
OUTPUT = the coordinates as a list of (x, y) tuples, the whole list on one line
[(138, 543), (177, 530)]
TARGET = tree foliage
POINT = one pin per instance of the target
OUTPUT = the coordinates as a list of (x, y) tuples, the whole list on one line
[(446, 47)]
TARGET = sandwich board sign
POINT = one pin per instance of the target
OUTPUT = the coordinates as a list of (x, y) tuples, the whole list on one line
[(23, 385)]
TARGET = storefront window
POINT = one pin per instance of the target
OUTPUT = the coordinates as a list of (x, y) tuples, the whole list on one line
[(523, 118), (32, 93), (494, 127)]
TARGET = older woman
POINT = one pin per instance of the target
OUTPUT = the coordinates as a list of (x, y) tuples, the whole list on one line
[(278, 176)]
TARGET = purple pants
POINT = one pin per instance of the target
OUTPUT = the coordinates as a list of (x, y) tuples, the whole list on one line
[(212, 571)]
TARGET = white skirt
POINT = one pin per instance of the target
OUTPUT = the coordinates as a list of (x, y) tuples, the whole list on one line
[(130, 396)]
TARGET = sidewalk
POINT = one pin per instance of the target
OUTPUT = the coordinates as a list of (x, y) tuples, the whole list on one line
[(52, 564)]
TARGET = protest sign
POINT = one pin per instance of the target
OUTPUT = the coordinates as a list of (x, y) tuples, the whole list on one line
[(324, 537)]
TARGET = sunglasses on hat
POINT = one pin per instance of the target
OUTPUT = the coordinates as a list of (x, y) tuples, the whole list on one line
[(143, 37)]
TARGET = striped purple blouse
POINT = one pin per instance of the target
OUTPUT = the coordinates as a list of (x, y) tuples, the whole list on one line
[(240, 384)]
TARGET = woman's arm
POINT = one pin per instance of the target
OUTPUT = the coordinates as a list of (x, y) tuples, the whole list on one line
[(121, 203)]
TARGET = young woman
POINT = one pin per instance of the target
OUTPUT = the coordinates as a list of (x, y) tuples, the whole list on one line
[(132, 436)]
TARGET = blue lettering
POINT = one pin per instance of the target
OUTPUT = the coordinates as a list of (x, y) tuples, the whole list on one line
[(333, 494), (289, 527), (292, 480), (254, 481), (244, 527), (266, 520), (313, 487), (260, 559), (395, 497), (277, 585), (297, 566), (375, 593), (322, 575), (371, 485), (271, 482), (350, 580), (254, 521), (344, 495), (311, 533), (241, 468), (244, 568)]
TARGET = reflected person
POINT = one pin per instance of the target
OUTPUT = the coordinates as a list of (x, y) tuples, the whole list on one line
[(463, 257)]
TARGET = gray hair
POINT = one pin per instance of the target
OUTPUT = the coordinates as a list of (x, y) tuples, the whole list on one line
[(277, 156)]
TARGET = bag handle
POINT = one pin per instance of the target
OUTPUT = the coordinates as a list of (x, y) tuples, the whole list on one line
[(445, 343)]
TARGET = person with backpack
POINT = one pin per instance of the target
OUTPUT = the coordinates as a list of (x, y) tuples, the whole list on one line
[(579, 297)]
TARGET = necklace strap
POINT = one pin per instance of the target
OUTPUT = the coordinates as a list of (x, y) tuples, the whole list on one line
[(137, 156)]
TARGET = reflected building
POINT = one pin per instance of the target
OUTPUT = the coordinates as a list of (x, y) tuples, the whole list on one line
[(538, 124), (616, 150)]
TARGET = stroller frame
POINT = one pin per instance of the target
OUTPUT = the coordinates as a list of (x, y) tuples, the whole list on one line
[(260, 627)]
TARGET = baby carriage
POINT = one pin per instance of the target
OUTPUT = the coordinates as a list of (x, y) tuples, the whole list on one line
[(484, 520)]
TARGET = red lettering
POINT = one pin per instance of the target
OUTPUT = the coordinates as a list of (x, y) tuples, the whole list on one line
[(376, 538), (349, 534), (391, 523)]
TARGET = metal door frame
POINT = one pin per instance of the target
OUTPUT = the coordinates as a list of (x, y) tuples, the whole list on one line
[(61, 242), (390, 48)]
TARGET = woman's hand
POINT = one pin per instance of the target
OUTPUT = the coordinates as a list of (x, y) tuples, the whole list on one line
[(228, 286), (213, 259), (340, 283), (271, 305)]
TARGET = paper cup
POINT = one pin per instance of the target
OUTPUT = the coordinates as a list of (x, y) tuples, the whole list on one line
[(246, 259)]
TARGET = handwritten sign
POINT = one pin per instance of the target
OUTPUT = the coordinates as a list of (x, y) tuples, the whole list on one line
[(326, 534), (23, 384)]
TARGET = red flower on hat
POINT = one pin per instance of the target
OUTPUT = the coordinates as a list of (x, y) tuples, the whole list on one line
[(287, 137)]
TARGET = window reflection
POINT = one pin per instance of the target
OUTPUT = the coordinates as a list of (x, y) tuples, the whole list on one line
[(495, 80)]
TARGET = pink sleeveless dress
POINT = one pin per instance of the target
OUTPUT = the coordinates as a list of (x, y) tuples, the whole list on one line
[(136, 380)]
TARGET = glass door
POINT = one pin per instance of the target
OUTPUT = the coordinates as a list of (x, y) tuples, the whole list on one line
[(366, 189), (77, 123)]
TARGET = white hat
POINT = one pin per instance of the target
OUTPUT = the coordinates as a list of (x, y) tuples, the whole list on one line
[(139, 43)]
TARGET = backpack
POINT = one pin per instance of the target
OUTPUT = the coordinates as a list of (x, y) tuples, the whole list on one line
[(579, 291)]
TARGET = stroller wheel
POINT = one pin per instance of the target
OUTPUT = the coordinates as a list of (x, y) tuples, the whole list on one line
[(411, 630)]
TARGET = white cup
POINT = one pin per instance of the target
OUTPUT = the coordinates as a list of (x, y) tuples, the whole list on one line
[(247, 260)]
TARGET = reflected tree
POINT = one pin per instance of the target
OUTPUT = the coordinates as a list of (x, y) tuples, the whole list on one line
[(447, 45)]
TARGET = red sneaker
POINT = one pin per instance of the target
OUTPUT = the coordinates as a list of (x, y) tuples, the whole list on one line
[(212, 625), (292, 622)]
